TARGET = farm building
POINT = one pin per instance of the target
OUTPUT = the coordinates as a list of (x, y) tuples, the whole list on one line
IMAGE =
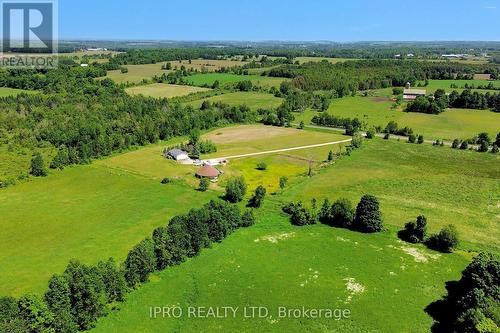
[(411, 94), (209, 172), (177, 154)]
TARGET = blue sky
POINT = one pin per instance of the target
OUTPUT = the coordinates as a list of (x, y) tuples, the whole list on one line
[(308, 20)]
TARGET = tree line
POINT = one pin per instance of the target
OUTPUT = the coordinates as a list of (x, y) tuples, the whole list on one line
[(78, 297), (467, 99), (346, 78), (366, 217)]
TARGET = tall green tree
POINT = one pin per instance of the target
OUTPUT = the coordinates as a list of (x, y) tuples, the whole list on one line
[(88, 295), (235, 189), (36, 314), (368, 217), (258, 197), (38, 168), (58, 299), (140, 262), (114, 281)]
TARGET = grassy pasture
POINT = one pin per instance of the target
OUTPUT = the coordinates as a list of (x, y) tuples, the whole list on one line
[(447, 186), (85, 212), (163, 90), (136, 73), (451, 124), (5, 91), (225, 78), (253, 100), (274, 264), (209, 65), (303, 60), (445, 84)]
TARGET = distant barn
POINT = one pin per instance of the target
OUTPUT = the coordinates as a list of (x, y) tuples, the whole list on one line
[(412, 94)]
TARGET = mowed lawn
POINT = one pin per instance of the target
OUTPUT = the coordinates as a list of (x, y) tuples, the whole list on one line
[(84, 212), (274, 264), (243, 139), (451, 124), (294, 164), (254, 100), (446, 185), (225, 78), (164, 90)]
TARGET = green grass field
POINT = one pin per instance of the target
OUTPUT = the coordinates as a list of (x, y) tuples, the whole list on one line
[(136, 73), (302, 60), (446, 185), (445, 84), (5, 91), (254, 100), (224, 78), (451, 124), (85, 212), (163, 90), (255, 138), (274, 264), (100, 210)]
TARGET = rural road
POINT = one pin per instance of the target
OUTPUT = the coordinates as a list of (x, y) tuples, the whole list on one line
[(284, 150)]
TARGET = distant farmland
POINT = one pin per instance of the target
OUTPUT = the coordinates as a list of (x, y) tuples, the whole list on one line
[(163, 90), (136, 73), (224, 78), (4, 91), (253, 100), (302, 60), (209, 65)]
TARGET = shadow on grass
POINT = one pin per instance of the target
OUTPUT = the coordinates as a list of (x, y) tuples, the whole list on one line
[(442, 312)]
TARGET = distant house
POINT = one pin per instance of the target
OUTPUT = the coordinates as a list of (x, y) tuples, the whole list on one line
[(411, 94), (177, 154), (209, 172)]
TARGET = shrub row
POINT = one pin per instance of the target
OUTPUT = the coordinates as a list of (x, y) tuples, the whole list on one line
[(365, 218)]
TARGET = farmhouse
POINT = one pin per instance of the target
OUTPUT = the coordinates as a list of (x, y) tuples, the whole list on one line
[(177, 154), (209, 172), (411, 94)]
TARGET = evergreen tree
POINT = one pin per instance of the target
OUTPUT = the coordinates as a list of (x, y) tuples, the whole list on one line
[(368, 217), (38, 166), (204, 184)]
